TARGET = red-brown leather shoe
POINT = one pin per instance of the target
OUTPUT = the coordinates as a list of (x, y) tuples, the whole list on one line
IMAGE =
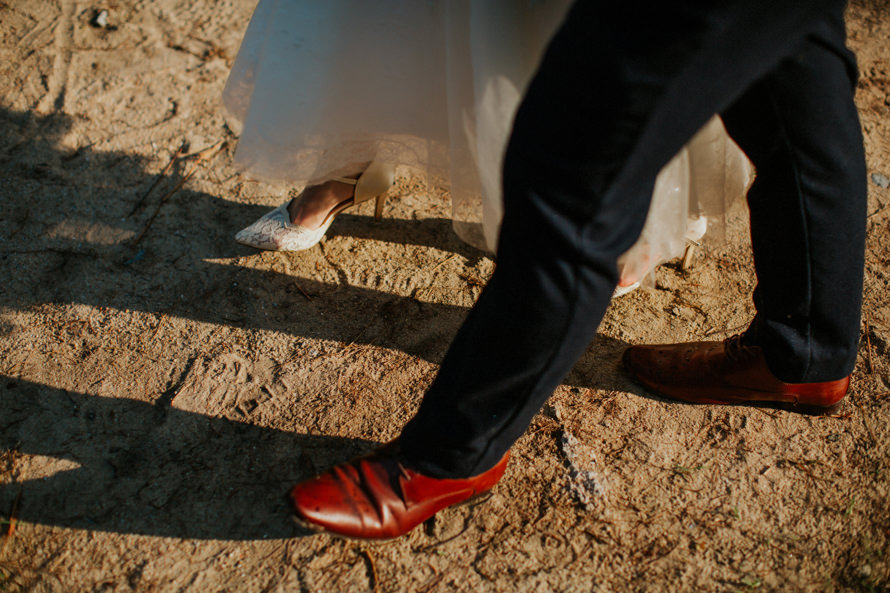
[(377, 497), (728, 372)]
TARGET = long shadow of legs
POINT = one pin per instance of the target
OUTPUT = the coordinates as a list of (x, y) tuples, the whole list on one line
[(131, 467), (51, 252), (128, 466), (58, 247)]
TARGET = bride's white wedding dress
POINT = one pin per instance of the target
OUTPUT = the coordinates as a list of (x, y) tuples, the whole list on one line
[(321, 88)]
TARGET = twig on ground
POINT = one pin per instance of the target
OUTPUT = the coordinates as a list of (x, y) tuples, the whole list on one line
[(436, 580), (766, 411), (375, 585), (800, 466), (439, 543), (288, 360), (157, 327), (878, 212), (179, 152), (204, 153), (302, 292), (13, 520), (199, 156), (443, 262)]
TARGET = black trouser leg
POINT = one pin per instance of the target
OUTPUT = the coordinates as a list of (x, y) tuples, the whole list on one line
[(800, 128), (621, 88)]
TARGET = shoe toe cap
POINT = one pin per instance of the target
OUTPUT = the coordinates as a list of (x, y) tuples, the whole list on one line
[(642, 362), (324, 504)]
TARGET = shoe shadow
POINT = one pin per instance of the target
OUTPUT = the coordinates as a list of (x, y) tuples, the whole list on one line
[(600, 368), (130, 467), (426, 232)]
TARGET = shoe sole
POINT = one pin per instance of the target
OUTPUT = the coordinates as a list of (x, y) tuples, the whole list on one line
[(806, 409), (314, 529)]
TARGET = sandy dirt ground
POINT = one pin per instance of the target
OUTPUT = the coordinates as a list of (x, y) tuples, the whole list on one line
[(162, 386)]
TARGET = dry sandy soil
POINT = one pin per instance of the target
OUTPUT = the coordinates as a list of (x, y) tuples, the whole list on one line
[(162, 386)]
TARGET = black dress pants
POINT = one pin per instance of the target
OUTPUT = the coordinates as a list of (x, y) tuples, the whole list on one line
[(622, 86)]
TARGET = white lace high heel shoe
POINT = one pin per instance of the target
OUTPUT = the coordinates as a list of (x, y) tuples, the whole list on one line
[(275, 231)]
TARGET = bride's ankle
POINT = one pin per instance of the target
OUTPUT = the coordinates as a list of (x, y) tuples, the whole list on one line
[(311, 207)]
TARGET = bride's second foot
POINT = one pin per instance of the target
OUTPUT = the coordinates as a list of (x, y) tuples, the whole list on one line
[(631, 276)]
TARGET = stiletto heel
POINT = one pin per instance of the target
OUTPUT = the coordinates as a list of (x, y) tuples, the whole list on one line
[(275, 232), (378, 207), (631, 280)]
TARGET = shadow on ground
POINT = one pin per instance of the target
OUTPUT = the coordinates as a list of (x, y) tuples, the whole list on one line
[(47, 249), (59, 247), (132, 467)]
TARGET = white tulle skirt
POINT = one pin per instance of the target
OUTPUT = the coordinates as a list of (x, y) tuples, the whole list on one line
[(320, 89)]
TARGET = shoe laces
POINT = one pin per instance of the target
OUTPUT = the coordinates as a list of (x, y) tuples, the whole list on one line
[(736, 349)]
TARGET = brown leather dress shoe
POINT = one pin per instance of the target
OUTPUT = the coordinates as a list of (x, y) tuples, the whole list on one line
[(728, 372), (377, 497)]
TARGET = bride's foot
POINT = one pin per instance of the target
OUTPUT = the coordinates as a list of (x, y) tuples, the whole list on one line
[(631, 275), (311, 208), (301, 222)]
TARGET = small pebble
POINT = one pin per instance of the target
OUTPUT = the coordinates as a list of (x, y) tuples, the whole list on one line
[(100, 19), (880, 180)]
